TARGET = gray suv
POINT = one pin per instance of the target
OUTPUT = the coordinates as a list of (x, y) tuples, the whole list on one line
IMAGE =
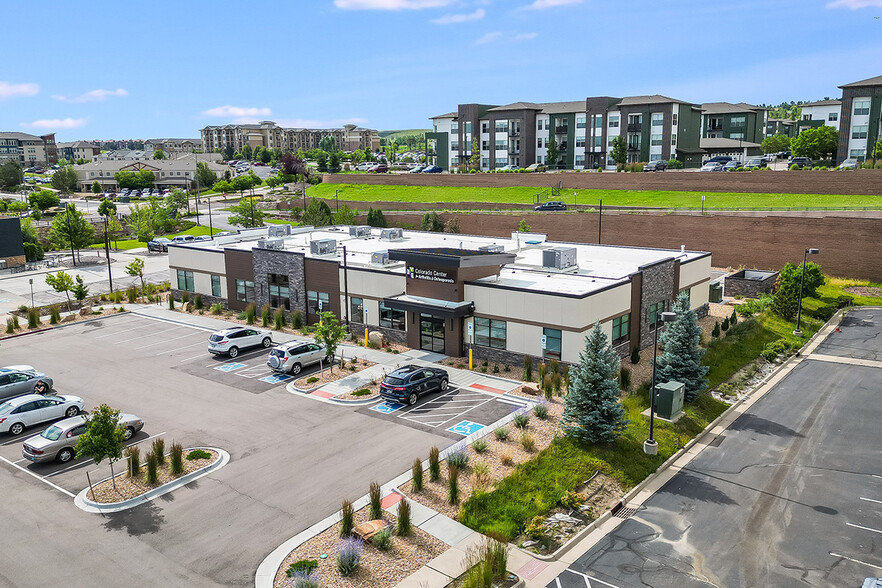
[(293, 356), (59, 441)]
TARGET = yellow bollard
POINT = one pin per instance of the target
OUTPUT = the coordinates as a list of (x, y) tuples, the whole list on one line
[(365, 336), (470, 359)]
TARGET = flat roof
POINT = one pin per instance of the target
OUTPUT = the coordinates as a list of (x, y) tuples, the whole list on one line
[(598, 266)]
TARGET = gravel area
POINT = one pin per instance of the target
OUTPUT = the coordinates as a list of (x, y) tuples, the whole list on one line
[(328, 375), (501, 458), (864, 290), (127, 488), (377, 569)]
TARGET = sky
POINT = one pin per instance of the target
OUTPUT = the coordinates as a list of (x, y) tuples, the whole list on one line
[(119, 70)]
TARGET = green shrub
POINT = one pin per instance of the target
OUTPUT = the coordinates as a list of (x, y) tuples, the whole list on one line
[(198, 454), (382, 540), (296, 319), (216, 308), (522, 421), (452, 484), (349, 555), (53, 318), (132, 294), (716, 331), (311, 380), (347, 519), (251, 313), (416, 472), (133, 461), (878, 164), (33, 318), (543, 369), (434, 465), (10, 326), (794, 167), (480, 446), (265, 315), (152, 467), (185, 297), (635, 355), (171, 302), (279, 319), (197, 302), (303, 566), (404, 525), (15, 324), (675, 164), (376, 501), (528, 442), (362, 392), (844, 300), (572, 500), (458, 459), (625, 378), (501, 434), (528, 369), (725, 325), (536, 528), (159, 450), (122, 308), (541, 411), (176, 459)]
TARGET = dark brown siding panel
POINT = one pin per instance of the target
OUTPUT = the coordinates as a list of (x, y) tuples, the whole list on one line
[(636, 309), (323, 276), (240, 266), (676, 279)]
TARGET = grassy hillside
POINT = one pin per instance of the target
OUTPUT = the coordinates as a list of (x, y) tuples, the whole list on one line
[(396, 134)]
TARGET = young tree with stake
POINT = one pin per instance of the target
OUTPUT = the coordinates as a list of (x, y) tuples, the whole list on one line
[(104, 437), (329, 332)]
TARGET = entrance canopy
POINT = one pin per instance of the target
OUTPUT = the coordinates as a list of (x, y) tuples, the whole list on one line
[(433, 306)]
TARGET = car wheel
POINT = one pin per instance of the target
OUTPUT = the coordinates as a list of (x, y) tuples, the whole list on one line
[(295, 369), (267, 342), (16, 428), (234, 351), (443, 386), (72, 412), (65, 455), (412, 399), (128, 433)]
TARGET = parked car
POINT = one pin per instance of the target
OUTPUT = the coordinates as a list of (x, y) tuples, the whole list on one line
[(712, 166), (551, 205), (509, 167), (432, 169), (16, 414), (232, 341), (801, 162), (721, 159), (659, 165), (849, 164), (364, 166), (731, 165), (755, 163), (293, 356), (380, 168), (535, 167), (16, 380), (159, 244), (408, 383), (58, 441), (182, 239), (416, 170), (202, 238), (783, 155)]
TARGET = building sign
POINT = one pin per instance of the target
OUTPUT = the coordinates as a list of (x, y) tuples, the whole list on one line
[(430, 275)]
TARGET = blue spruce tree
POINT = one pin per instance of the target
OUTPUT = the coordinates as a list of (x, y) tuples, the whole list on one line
[(593, 412), (681, 359)]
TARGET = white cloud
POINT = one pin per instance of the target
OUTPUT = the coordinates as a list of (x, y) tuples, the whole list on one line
[(489, 38), (855, 4), (543, 4), (458, 18), (500, 36), (390, 4), (8, 90), (228, 111), (318, 123), (92, 96), (525, 36), (55, 123)]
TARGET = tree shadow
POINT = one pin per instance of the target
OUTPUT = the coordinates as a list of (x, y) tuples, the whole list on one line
[(694, 487), (145, 519), (751, 422)]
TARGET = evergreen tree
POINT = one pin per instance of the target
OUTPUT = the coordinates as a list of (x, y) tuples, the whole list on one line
[(322, 162), (681, 360), (317, 214), (593, 412), (733, 319), (334, 162), (716, 331), (786, 298), (375, 218)]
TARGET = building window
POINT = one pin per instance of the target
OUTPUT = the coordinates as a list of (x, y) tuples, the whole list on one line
[(539, 124), (215, 286), (655, 157), (501, 144), (356, 310), (317, 302), (501, 126), (833, 116), (454, 146), (580, 122), (655, 140), (598, 121), (539, 142), (278, 291), (185, 281), (655, 311), (485, 162), (485, 145), (614, 121), (244, 291), (490, 333), (635, 119), (454, 128), (674, 121), (391, 318), (857, 153), (861, 107), (501, 162), (552, 343), (621, 328), (580, 141), (674, 140), (633, 141), (738, 121), (739, 136), (807, 116), (485, 127), (468, 128), (597, 141), (658, 119), (859, 131), (579, 161)]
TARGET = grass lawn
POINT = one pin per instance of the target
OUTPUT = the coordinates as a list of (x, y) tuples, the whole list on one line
[(134, 243), (659, 198), (279, 221)]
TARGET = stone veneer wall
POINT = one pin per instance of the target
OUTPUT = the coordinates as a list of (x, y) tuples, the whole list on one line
[(393, 335), (749, 288), (271, 261), (15, 260), (657, 285)]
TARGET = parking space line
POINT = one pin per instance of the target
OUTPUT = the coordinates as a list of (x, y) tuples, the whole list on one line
[(192, 358), (142, 335), (41, 478), (79, 465), (864, 528), (165, 341), (864, 563), (871, 500), (19, 461), (590, 579), (180, 348)]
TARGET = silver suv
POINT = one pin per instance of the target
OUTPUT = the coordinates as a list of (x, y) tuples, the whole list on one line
[(293, 356), (59, 441), (231, 341)]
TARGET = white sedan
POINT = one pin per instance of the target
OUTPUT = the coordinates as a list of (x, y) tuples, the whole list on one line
[(32, 409)]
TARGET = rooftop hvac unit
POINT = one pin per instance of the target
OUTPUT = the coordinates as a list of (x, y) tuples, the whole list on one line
[(323, 246), (380, 257), (360, 231), (271, 244), (559, 257), (492, 248), (392, 234), (279, 230)]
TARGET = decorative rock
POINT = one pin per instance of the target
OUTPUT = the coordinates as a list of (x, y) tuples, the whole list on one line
[(531, 390), (186, 307), (530, 543), (69, 318), (86, 311), (377, 338)]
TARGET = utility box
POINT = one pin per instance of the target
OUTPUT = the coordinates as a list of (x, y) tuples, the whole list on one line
[(669, 399), (716, 292)]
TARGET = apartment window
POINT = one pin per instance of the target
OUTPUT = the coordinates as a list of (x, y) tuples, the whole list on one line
[(485, 127), (739, 136), (597, 141), (539, 159), (598, 121), (485, 162), (539, 142), (552, 343), (738, 121), (485, 145), (579, 161), (614, 121), (833, 116), (634, 141), (454, 146), (609, 142), (454, 128), (317, 302), (278, 291), (244, 291), (859, 131), (674, 121), (490, 333), (539, 124), (861, 107), (655, 140), (356, 310), (468, 128), (185, 281), (857, 153), (655, 157), (501, 162), (391, 318), (580, 141), (501, 126), (580, 122), (806, 117), (635, 119), (501, 144), (215, 286), (655, 311), (621, 328), (658, 119)]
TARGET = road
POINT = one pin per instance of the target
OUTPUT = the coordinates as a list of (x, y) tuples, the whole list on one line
[(789, 495)]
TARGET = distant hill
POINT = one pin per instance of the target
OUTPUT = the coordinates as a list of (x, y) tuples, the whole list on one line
[(404, 133)]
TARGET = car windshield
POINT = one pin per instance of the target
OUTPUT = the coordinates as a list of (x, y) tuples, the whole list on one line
[(393, 381), (52, 433), (216, 337)]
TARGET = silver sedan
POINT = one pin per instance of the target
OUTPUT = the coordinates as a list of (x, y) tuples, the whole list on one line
[(16, 380), (59, 441)]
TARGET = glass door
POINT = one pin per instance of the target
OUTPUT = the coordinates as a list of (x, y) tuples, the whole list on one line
[(431, 333)]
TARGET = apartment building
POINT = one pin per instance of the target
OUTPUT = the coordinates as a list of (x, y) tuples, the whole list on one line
[(505, 298), (168, 173), (780, 126), (173, 147), (819, 114), (28, 150), (656, 127), (77, 150), (270, 135), (741, 122), (860, 118)]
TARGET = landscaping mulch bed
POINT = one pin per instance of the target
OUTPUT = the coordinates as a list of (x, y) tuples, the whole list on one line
[(127, 487), (374, 393), (870, 291), (327, 376), (377, 569), (434, 494)]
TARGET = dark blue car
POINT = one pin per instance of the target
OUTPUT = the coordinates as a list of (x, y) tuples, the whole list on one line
[(408, 383), (432, 169)]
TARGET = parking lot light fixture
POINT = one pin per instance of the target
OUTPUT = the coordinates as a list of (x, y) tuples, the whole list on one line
[(797, 332), (650, 446)]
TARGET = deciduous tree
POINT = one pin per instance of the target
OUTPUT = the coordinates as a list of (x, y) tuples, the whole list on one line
[(815, 143), (70, 229), (329, 332), (140, 223), (11, 175), (61, 282), (96, 187), (43, 200), (136, 269), (619, 151), (776, 143), (103, 438), (246, 213), (159, 154), (206, 177), (65, 180)]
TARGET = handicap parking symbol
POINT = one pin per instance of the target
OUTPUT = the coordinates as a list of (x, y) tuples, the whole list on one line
[(466, 428), (276, 378), (387, 407), (229, 367)]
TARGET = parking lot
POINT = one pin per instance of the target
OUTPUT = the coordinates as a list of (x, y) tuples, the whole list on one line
[(293, 459)]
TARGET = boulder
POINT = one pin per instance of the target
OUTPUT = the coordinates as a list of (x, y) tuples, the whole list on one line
[(530, 389), (376, 338), (86, 311), (186, 307), (69, 318)]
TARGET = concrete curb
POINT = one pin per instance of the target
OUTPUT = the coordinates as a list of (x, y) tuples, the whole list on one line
[(87, 505)]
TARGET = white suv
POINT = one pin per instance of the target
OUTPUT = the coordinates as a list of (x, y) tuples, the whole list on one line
[(293, 356), (232, 341)]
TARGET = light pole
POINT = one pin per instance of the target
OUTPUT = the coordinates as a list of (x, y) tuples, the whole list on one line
[(650, 446), (797, 332)]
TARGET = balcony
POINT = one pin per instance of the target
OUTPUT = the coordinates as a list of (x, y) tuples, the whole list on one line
[(634, 127), (715, 127), (514, 150), (633, 146), (514, 133), (561, 130)]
